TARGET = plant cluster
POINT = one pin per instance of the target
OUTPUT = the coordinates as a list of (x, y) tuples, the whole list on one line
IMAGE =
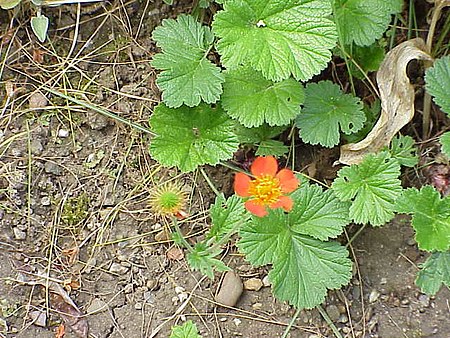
[(268, 51)]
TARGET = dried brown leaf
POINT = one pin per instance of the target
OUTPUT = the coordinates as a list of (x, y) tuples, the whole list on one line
[(61, 302), (70, 314), (397, 101)]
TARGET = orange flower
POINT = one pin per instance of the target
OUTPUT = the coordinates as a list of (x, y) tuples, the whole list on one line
[(268, 188)]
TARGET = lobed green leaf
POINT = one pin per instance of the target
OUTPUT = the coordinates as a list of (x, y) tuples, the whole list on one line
[(430, 217), (327, 111), (189, 137), (373, 187), (187, 75), (303, 267), (445, 143), (437, 82), (253, 100), (403, 150), (363, 21), (187, 330), (434, 272), (280, 38)]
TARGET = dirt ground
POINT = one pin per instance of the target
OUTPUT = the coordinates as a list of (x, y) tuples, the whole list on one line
[(74, 189)]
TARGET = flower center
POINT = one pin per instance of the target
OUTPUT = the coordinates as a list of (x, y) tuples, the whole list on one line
[(265, 189)]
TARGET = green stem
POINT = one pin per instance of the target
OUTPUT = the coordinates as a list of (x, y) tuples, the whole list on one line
[(329, 322), (291, 323), (355, 235), (184, 242), (210, 183)]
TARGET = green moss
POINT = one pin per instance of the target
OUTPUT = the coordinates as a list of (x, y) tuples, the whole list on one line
[(75, 210)]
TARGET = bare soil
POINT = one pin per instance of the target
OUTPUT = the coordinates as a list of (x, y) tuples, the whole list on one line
[(74, 188)]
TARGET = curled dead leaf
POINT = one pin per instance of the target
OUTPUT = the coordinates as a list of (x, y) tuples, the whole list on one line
[(397, 101), (70, 314), (61, 302)]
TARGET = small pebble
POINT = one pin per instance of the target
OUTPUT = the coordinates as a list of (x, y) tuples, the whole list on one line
[(52, 168), (333, 312), (62, 133), (257, 306), (151, 284), (19, 234), (343, 319), (39, 318), (383, 281), (162, 236), (411, 241), (253, 284), (230, 290), (37, 100), (373, 296), (237, 321), (424, 300), (97, 305), (45, 201), (149, 297), (36, 147), (118, 268), (266, 282), (138, 306)]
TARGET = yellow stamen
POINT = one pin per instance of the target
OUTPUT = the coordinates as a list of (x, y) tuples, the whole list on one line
[(265, 190)]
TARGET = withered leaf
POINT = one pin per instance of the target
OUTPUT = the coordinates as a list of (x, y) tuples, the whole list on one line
[(397, 101), (70, 314)]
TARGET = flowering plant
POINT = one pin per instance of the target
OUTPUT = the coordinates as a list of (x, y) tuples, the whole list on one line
[(268, 187)]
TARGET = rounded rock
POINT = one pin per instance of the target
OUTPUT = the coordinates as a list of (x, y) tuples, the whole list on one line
[(230, 290)]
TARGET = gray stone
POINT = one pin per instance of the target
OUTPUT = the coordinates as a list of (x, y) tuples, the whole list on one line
[(36, 147), (45, 201), (333, 312), (118, 269), (52, 168), (230, 290), (19, 234)]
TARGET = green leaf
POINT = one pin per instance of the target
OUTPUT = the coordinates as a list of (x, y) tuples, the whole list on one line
[(39, 25), (373, 187), (9, 4), (437, 82), (372, 112), (271, 147), (326, 111), (257, 134), (430, 217), (168, 2), (403, 150), (316, 213), (189, 137), (202, 259), (187, 75), (253, 100), (445, 142), (434, 272), (363, 21), (303, 267), (280, 38), (368, 58), (187, 330), (226, 216)]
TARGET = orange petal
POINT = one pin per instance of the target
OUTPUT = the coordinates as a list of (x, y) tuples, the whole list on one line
[(284, 202), (241, 184), (264, 166), (255, 209), (288, 181)]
